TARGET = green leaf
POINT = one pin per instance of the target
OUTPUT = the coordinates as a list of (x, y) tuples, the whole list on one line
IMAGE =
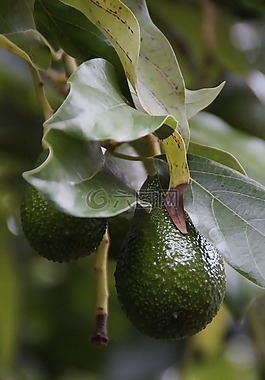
[(18, 33), (95, 108), (71, 30), (200, 99), (134, 172), (16, 16), (215, 154), (250, 151), (78, 178), (75, 33), (228, 209), (118, 23), (160, 85), (182, 24)]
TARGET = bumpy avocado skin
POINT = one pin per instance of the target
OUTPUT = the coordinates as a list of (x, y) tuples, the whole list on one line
[(55, 235), (169, 284)]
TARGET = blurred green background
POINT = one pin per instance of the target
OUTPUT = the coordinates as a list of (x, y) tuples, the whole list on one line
[(47, 309)]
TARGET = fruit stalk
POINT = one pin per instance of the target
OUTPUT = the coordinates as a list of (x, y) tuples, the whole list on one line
[(153, 149), (70, 64), (40, 93), (101, 335)]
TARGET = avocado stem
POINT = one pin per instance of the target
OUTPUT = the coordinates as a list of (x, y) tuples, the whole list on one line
[(128, 157), (101, 335), (40, 93), (70, 64), (153, 146), (153, 149)]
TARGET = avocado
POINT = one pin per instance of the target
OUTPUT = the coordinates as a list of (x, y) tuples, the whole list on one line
[(170, 285), (54, 234)]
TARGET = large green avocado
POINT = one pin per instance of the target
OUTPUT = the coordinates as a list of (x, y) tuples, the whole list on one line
[(169, 284)]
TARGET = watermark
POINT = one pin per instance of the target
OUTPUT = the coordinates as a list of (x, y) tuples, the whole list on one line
[(99, 198)]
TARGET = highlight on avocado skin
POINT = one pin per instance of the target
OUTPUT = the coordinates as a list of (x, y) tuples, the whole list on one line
[(170, 285)]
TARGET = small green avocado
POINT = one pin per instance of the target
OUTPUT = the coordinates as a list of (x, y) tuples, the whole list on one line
[(170, 285), (54, 234)]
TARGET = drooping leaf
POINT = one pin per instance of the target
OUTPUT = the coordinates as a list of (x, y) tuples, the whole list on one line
[(215, 154), (119, 24), (228, 208), (95, 108), (160, 85), (199, 99), (78, 178), (18, 34)]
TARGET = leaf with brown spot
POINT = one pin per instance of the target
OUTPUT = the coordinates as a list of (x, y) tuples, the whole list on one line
[(119, 25)]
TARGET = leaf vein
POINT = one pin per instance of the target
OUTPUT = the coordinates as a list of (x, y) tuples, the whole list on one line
[(229, 208), (238, 193)]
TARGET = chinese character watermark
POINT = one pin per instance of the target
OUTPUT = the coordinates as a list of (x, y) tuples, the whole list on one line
[(100, 198)]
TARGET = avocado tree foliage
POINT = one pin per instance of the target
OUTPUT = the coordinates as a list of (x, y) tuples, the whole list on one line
[(126, 89)]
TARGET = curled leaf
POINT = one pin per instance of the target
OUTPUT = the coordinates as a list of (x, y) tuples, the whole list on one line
[(80, 180), (95, 108)]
